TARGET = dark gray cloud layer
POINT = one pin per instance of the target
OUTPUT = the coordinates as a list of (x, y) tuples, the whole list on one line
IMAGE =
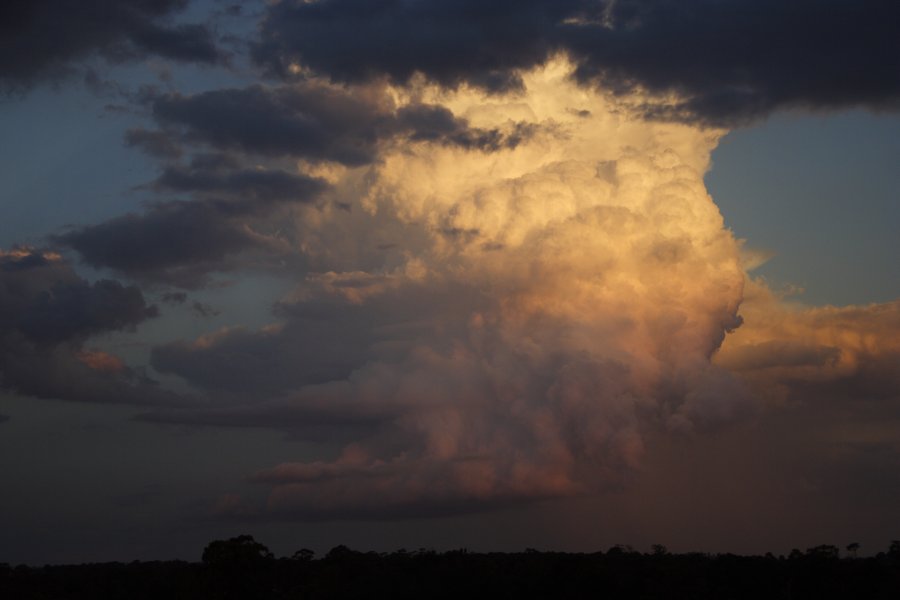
[(451, 42), (220, 175), (48, 313), (314, 122), (177, 242), (47, 303), (305, 351), (731, 60), (181, 241), (157, 144), (40, 39), (170, 241)]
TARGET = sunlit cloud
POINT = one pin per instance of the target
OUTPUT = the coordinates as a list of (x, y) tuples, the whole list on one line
[(521, 317)]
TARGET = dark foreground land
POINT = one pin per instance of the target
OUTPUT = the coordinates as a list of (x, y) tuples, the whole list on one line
[(243, 568)]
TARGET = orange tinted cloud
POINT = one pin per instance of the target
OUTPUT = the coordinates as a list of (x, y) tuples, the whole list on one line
[(101, 361), (521, 316), (785, 345)]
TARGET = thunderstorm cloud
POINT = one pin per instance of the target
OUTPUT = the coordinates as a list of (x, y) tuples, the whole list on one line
[(505, 273)]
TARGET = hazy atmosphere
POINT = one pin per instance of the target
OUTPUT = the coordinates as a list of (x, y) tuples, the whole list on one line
[(448, 273)]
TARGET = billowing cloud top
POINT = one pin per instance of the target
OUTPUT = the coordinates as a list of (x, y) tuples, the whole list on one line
[(488, 325)]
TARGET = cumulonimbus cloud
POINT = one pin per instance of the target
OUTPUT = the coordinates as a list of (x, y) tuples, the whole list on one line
[(530, 312), (498, 294)]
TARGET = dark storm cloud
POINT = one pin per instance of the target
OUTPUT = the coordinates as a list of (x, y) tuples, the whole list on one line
[(298, 376), (729, 60), (41, 39), (202, 309), (48, 313), (329, 421), (270, 361), (222, 175), (323, 338), (740, 59), (451, 42), (79, 309), (177, 241), (181, 241), (316, 122), (157, 144), (174, 297), (44, 301)]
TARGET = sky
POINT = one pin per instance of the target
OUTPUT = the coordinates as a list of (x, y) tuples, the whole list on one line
[(443, 274)]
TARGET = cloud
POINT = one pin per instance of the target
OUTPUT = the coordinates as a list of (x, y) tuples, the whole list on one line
[(48, 315), (44, 39), (479, 329), (716, 62), (795, 353), (202, 309), (318, 122), (3, 419), (181, 241), (405, 489), (450, 42), (174, 297), (264, 362), (177, 242), (220, 175), (239, 206), (157, 144)]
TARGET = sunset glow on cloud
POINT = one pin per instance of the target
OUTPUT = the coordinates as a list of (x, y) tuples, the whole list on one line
[(506, 322), (455, 282)]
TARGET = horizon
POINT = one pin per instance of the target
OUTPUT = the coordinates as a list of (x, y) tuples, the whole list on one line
[(435, 274)]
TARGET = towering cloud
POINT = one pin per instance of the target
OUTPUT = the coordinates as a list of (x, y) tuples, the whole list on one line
[(482, 327), (462, 251)]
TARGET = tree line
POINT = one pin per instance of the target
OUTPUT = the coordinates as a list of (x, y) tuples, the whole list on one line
[(242, 567)]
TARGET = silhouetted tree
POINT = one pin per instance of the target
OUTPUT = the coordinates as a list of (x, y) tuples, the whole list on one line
[(852, 549), (238, 568), (825, 551), (304, 554), (894, 550), (238, 551), (340, 552), (241, 568)]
